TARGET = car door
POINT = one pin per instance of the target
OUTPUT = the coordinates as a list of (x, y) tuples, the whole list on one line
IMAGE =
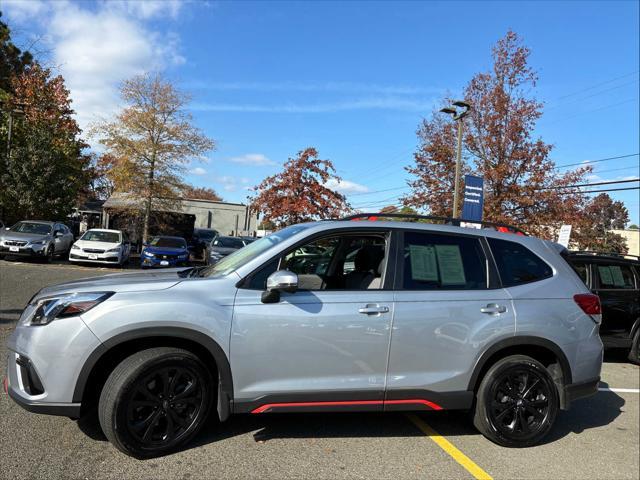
[(58, 238), (324, 346), (616, 286), (448, 309)]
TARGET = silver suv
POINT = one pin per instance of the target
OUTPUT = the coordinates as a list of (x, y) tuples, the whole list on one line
[(36, 239), (325, 316)]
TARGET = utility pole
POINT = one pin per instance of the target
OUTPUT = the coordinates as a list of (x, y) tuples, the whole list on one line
[(458, 117)]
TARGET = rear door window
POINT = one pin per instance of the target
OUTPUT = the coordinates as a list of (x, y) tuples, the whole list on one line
[(517, 264), (615, 277), (581, 269), (443, 262)]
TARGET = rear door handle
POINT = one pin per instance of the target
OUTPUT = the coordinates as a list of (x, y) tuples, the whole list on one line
[(374, 309), (493, 309)]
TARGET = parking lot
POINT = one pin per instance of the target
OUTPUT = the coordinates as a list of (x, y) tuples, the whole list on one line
[(598, 438)]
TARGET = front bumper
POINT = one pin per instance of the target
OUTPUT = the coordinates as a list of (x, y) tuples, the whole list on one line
[(26, 251), (44, 364), (159, 262), (104, 258), (576, 391)]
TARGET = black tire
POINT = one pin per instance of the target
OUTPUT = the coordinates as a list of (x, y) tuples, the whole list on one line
[(634, 353), (517, 402), (48, 256), (155, 401)]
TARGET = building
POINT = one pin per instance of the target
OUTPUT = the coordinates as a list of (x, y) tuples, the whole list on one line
[(180, 218), (633, 240)]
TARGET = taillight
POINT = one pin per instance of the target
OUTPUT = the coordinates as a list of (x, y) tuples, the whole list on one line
[(589, 303)]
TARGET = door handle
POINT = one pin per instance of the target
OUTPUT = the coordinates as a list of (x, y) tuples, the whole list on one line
[(374, 309), (493, 309)]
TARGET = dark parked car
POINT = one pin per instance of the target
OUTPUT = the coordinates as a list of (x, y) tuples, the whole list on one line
[(616, 280), (200, 239), (220, 247), (165, 251)]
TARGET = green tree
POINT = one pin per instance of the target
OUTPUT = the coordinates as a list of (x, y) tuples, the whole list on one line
[(46, 168), (151, 142), (593, 228)]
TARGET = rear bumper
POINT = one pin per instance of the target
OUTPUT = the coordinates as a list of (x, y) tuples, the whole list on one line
[(576, 391)]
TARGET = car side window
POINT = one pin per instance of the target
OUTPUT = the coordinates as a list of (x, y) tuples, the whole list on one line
[(615, 277), (581, 270), (517, 264), (443, 262)]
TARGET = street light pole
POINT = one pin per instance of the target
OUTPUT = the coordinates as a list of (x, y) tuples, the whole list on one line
[(458, 117)]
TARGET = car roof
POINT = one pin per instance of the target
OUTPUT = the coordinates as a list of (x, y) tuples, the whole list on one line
[(599, 257), (168, 236), (44, 222), (103, 230)]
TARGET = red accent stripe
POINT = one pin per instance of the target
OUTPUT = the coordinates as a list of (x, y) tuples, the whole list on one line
[(269, 406)]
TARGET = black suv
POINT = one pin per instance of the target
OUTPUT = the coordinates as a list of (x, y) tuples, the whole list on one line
[(616, 280)]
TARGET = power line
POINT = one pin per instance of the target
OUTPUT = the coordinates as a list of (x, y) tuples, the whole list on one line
[(604, 190), (591, 184), (585, 162), (598, 85)]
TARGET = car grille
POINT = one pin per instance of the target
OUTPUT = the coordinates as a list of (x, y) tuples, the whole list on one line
[(167, 257), (14, 243), (92, 250)]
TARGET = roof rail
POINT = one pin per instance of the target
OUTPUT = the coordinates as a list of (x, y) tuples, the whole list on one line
[(502, 227), (604, 254)]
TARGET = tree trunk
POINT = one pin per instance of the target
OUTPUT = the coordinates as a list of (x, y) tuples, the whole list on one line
[(147, 209)]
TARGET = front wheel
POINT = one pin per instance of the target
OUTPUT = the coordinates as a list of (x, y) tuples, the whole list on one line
[(517, 402), (634, 353), (155, 401)]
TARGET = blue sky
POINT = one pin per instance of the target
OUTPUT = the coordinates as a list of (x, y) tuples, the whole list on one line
[(352, 79)]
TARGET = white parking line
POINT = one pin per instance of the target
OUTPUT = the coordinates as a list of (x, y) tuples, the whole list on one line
[(619, 390)]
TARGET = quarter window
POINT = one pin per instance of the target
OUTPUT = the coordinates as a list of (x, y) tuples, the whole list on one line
[(517, 264), (443, 262), (615, 277)]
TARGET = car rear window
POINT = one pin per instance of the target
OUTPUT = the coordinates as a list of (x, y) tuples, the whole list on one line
[(169, 242), (228, 242), (615, 277), (517, 264), (443, 262)]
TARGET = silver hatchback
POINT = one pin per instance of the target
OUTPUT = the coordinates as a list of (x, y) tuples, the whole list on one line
[(325, 316)]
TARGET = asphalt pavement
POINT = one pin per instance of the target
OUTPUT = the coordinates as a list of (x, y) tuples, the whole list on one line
[(598, 438)]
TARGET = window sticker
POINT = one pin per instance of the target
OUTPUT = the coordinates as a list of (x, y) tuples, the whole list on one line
[(423, 263), (605, 275), (450, 265), (616, 274)]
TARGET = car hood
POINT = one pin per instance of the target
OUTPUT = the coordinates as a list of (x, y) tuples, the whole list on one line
[(118, 282), (96, 244), (29, 237), (165, 250)]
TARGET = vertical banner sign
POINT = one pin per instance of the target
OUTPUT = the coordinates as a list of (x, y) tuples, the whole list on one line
[(473, 198), (564, 235)]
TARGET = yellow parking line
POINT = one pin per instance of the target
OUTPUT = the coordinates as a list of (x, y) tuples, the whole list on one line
[(468, 464)]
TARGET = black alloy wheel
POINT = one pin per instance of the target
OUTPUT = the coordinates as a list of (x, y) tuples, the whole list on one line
[(163, 405), (517, 402), (155, 401)]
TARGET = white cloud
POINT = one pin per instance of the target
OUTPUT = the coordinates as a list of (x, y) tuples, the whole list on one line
[(198, 171), (95, 49), (256, 159), (24, 10), (345, 186), (373, 103)]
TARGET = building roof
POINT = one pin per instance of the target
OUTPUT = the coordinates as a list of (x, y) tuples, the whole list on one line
[(126, 200)]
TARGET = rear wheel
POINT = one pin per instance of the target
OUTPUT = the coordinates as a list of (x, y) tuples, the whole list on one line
[(634, 353), (517, 402), (155, 401)]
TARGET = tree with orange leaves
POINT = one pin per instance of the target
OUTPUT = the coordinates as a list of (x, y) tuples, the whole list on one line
[(299, 192), (522, 184)]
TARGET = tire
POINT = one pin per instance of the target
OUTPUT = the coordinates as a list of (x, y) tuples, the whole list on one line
[(517, 402), (634, 353), (48, 257), (173, 391)]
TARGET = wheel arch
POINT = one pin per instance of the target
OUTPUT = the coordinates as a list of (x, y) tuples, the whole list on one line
[(103, 359), (538, 348)]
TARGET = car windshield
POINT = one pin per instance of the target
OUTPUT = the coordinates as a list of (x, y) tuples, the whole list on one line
[(98, 236), (228, 242), (32, 227), (244, 255), (168, 242)]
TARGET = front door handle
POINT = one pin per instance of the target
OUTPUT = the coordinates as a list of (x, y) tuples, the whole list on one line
[(374, 309), (493, 309)]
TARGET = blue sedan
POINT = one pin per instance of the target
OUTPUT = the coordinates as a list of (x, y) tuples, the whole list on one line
[(164, 251)]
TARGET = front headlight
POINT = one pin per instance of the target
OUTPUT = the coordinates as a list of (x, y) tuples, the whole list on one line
[(50, 308), (117, 249), (148, 254), (75, 247), (38, 242)]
